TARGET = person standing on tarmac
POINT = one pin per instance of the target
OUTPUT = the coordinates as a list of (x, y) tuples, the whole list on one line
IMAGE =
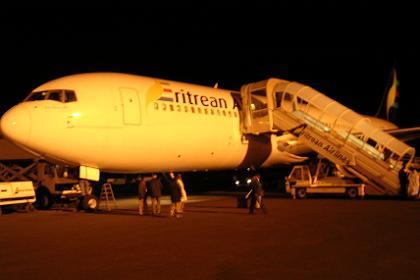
[(413, 184), (175, 196), (182, 191), (142, 190), (256, 195), (156, 193), (403, 176)]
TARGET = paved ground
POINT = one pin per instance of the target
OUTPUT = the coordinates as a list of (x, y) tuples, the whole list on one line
[(297, 239)]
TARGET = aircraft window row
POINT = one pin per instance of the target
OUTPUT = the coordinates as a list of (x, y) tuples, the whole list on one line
[(194, 110), (60, 95)]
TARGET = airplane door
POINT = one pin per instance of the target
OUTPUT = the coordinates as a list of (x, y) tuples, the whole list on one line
[(255, 111), (130, 106)]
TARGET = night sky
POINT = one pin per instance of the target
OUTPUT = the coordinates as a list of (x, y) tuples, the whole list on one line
[(348, 62)]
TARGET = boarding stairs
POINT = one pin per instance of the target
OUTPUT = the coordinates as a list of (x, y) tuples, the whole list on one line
[(328, 128)]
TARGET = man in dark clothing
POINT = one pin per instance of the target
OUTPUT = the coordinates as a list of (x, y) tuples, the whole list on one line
[(255, 194), (403, 176), (175, 195), (142, 190), (155, 193)]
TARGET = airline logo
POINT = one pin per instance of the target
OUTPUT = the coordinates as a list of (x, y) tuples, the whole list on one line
[(155, 92), (161, 91), (167, 94)]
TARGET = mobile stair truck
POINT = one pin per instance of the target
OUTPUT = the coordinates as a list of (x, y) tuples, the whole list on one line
[(277, 107), (17, 194), (301, 182)]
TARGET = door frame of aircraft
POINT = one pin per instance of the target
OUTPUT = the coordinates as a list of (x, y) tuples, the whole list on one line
[(130, 102)]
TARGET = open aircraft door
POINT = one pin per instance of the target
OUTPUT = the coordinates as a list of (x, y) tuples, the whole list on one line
[(255, 109), (258, 102)]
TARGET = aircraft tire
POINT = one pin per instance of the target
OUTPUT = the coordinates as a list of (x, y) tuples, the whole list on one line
[(352, 193), (90, 203), (43, 198), (300, 193)]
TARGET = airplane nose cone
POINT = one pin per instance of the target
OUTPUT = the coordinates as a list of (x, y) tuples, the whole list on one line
[(15, 124)]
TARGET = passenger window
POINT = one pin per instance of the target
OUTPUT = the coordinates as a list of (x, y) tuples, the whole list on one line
[(55, 95), (70, 96)]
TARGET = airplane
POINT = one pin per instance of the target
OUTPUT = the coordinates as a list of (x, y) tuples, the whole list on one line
[(125, 123)]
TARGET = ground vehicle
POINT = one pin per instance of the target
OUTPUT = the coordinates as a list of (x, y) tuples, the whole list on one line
[(60, 184), (300, 182), (20, 193), (52, 182)]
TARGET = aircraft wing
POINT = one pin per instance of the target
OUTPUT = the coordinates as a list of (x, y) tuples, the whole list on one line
[(405, 134)]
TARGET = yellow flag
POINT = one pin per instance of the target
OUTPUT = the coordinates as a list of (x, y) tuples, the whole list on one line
[(392, 94)]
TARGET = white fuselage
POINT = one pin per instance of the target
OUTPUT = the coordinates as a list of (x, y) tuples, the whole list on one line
[(128, 123)]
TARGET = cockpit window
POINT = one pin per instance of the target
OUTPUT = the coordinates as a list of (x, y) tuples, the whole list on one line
[(59, 95), (70, 96), (40, 95), (55, 95)]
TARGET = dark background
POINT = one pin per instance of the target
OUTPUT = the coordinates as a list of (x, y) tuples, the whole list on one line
[(347, 51), (344, 52)]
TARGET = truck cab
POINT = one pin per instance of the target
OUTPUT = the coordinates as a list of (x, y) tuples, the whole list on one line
[(61, 184)]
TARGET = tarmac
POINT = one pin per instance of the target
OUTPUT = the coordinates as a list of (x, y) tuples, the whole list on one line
[(321, 238)]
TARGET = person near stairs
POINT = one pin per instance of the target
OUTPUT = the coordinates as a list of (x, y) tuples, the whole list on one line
[(182, 191), (156, 193), (142, 189), (255, 195), (175, 194)]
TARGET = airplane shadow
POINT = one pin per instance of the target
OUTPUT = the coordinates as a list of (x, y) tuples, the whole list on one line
[(216, 207), (216, 212), (127, 212), (165, 214)]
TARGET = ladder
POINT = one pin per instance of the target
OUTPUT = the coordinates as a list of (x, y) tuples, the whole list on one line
[(107, 196), (328, 128)]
